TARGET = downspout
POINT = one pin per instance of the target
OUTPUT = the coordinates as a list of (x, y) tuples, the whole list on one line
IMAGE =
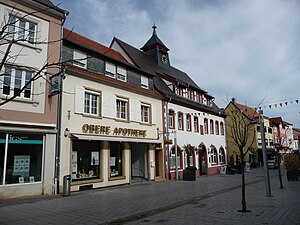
[(167, 134), (59, 112)]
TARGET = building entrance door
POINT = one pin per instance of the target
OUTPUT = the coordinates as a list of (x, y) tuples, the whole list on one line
[(139, 161)]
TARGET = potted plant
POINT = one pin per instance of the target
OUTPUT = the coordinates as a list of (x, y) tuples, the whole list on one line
[(189, 173), (292, 165)]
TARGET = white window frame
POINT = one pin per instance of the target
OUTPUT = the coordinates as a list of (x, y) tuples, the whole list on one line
[(144, 82), (23, 33), (171, 119), (121, 74), (122, 103), (213, 156), (79, 58), (91, 106), (221, 156), (12, 77), (180, 121), (145, 113), (188, 122), (110, 70), (196, 124)]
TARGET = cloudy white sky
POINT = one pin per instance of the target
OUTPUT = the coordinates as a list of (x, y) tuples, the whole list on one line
[(247, 49)]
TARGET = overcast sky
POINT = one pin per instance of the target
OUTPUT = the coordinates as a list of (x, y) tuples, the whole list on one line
[(247, 49)]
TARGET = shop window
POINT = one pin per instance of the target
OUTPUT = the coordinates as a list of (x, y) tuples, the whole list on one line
[(145, 113), (79, 59), (85, 160), (171, 119), (222, 128), (217, 127), (24, 158), (116, 162), (205, 126), (222, 155), (180, 121), (188, 122), (196, 124), (13, 82), (21, 29), (122, 109)]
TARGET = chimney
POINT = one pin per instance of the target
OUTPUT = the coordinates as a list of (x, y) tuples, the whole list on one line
[(233, 100)]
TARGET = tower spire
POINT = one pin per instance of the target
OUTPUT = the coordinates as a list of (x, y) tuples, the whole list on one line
[(154, 30)]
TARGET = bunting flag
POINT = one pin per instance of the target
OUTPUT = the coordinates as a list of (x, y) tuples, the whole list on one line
[(281, 104)]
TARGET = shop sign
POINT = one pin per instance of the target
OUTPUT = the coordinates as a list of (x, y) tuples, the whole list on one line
[(117, 131)]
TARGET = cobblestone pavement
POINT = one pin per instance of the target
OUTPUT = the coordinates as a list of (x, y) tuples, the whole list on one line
[(209, 200)]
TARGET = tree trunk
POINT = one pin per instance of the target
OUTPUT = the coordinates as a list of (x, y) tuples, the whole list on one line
[(244, 208)]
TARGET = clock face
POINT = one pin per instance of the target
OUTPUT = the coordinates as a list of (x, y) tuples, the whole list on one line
[(164, 59)]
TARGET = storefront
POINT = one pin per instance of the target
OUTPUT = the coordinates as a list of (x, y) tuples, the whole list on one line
[(24, 169), (105, 156)]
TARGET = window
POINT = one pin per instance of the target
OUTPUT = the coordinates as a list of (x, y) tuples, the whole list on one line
[(144, 82), (85, 160), (270, 131), (122, 109), (21, 29), (180, 121), (221, 156), (201, 129), (171, 119), (188, 122), (211, 123), (121, 74), (110, 70), (173, 158), (222, 128), (79, 59), (217, 127), (23, 158), (145, 113), (214, 156), (14, 80), (205, 126), (91, 103), (116, 159), (196, 124)]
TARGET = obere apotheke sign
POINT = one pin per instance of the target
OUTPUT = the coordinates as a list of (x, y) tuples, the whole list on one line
[(117, 131)]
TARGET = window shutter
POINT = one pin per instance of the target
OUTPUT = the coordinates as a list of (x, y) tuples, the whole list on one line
[(138, 111), (112, 106), (132, 110), (154, 112), (105, 105), (79, 99)]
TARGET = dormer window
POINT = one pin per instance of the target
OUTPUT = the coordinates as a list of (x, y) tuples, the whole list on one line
[(79, 59), (121, 74), (110, 70), (144, 82)]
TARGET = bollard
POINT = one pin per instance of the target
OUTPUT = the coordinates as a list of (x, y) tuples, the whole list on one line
[(67, 185)]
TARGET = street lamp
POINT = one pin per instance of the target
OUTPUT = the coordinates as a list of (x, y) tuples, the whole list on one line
[(278, 158)]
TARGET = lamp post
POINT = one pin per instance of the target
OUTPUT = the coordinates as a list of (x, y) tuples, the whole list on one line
[(278, 159)]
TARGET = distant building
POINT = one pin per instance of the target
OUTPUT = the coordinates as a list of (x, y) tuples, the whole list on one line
[(190, 116), (28, 122), (296, 140)]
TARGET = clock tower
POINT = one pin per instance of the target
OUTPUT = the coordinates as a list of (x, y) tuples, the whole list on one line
[(155, 48)]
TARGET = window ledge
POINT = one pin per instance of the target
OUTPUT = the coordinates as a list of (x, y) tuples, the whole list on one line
[(117, 178), (22, 100), (122, 120), (25, 44), (91, 115)]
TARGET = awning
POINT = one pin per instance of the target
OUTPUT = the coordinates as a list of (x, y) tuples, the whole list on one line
[(112, 138)]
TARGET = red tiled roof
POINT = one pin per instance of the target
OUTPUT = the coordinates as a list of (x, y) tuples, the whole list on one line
[(92, 45), (248, 110)]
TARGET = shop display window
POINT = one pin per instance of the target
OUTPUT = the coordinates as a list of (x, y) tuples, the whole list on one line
[(115, 161), (24, 158), (85, 160)]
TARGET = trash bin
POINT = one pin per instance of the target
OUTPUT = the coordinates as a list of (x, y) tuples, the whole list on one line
[(67, 185)]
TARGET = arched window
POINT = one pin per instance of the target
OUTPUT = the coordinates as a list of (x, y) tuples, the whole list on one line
[(214, 156), (180, 121), (211, 122), (222, 128), (188, 122), (171, 119), (217, 127), (221, 156), (173, 158)]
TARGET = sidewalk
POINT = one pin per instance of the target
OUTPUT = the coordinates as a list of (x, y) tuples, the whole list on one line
[(209, 200)]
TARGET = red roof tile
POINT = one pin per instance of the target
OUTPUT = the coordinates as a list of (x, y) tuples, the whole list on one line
[(92, 45), (248, 110)]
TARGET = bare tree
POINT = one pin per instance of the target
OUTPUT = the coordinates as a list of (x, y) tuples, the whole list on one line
[(240, 129), (14, 32)]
